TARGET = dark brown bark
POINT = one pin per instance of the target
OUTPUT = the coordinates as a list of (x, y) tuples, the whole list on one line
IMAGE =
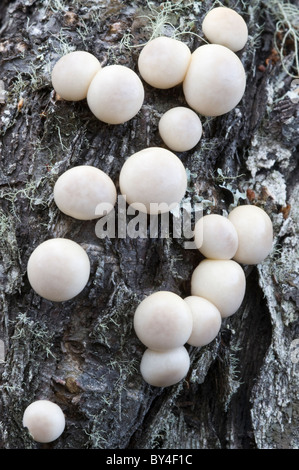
[(242, 389)]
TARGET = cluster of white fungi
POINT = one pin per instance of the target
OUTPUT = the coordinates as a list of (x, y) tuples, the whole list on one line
[(213, 81)]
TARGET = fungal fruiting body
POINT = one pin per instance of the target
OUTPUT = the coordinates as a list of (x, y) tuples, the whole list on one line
[(153, 180), (180, 128), (80, 191), (163, 321), (206, 321), (215, 81), (255, 233), (216, 237), (164, 368), (225, 26), (45, 420), (222, 282), (73, 73), (115, 94), (163, 62), (58, 269)]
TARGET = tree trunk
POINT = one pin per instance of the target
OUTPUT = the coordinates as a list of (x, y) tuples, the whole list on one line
[(242, 389)]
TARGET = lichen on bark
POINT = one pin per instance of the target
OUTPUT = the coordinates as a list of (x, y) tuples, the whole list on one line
[(241, 390)]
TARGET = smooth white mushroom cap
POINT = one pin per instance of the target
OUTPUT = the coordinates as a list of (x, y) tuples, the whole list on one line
[(165, 368), (115, 94), (180, 128), (163, 321), (255, 234), (225, 26), (45, 420), (163, 62), (151, 177), (85, 192), (73, 73), (58, 269), (222, 282), (206, 321), (215, 81), (216, 237)]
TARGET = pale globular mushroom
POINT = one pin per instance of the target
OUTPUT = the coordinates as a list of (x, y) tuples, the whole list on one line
[(180, 129), (163, 62), (216, 237), (116, 94), (79, 191), (163, 321), (222, 282), (206, 321), (153, 180), (73, 73), (58, 269), (255, 234), (164, 368), (45, 420), (215, 81), (225, 26)]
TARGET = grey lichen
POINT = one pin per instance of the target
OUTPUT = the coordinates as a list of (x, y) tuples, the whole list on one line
[(287, 21), (280, 381), (37, 335), (173, 19), (264, 154), (10, 255)]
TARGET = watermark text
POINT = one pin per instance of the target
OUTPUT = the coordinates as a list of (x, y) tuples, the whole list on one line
[(157, 220)]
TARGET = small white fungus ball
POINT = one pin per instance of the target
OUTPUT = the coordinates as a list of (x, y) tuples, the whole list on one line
[(215, 81), (165, 368), (115, 94), (73, 73), (163, 62), (153, 180), (180, 128), (163, 321), (216, 237), (206, 321), (222, 282), (225, 26), (255, 234), (85, 192), (45, 420), (58, 269)]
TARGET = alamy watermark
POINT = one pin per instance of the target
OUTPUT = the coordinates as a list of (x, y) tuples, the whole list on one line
[(164, 221)]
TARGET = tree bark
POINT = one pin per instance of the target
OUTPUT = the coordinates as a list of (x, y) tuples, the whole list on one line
[(242, 389)]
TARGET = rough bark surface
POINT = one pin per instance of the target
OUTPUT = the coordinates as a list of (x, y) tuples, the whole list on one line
[(242, 389)]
